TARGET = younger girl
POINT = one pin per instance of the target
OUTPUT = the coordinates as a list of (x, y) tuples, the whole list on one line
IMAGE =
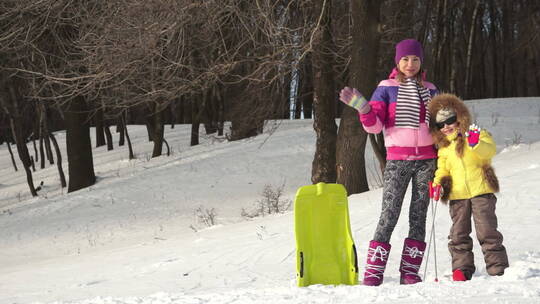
[(464, 171)]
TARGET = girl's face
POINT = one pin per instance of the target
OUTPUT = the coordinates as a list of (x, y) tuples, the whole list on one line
[(449, 129), (409, 65), (448, 126)]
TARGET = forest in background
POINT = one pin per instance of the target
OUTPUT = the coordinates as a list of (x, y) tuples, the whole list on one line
[(75, 64)]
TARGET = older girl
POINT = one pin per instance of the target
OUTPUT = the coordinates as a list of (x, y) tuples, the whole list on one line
[(399, 108)]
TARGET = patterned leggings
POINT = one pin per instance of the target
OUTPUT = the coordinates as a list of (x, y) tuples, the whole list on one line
[(397, 175)]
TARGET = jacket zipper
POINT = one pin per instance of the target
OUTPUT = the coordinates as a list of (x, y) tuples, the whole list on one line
[(466, 179)]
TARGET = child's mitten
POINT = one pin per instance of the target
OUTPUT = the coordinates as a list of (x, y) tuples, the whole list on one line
[(473, 135), (353, 98)]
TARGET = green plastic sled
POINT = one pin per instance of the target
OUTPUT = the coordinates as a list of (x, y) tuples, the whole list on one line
[(325, 251)]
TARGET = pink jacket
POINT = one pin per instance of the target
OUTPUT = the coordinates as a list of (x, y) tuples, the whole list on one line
[(401, 143)]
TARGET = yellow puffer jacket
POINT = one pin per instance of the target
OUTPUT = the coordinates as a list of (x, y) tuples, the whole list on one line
[(470, 174)]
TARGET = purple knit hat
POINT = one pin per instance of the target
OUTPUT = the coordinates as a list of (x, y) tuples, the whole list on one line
[(409, 47)]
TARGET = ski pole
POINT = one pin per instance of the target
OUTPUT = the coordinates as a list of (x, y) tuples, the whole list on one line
[(431, 233), (436, 197), (434, 194)]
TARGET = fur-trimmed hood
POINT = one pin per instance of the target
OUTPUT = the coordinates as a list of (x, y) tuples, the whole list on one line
[(453, 102)]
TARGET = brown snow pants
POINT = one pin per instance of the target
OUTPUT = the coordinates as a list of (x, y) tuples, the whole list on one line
[(482, 209)]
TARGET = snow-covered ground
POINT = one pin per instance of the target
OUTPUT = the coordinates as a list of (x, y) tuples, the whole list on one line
[(134, 237)]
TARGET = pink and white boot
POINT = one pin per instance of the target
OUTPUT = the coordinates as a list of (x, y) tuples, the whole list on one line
[(411, 259), (376, 263)]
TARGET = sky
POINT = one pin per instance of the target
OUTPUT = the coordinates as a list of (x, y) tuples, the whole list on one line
[(138, 236)]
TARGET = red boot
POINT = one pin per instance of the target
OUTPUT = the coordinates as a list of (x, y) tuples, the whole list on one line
[(458, 275)]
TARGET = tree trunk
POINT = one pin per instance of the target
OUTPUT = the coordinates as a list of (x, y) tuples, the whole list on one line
[(351, 142), (172, 113), (79, 146), (507, 47), (45, 130), (248, 113), (158, 131), (108, 136), (22, 150), (454, 60), (35, 148), (120, 129), (168, 148), (34, 136), (33, 164), (150, 128), (496, 89), (13, 109), (306, 88), (125, 130), (195, 123), (221, 111), (12, 157), (379, 149), (423, 33), (470, 42), (210, 111), (185, 109), (441, 44), (324, 101), (48, 150), (535, 68), (58, 161), (100, 135), (41, 149)]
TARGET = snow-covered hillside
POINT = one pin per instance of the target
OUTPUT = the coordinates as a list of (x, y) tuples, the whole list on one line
[(134, 237)]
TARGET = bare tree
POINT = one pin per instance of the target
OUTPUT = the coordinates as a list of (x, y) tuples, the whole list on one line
[(12, 105), (324, 99), (351, 143), (40, 44)]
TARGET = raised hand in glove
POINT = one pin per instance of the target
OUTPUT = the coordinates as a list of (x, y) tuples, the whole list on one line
[(353, 98), (473, 135)]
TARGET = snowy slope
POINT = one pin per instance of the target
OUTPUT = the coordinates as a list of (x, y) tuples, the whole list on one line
[(133, 237)]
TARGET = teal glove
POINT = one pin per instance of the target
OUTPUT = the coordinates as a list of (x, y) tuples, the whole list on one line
[(353, 98)]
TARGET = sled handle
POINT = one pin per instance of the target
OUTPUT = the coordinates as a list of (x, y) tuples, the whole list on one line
[(301, 264), (355, 259)]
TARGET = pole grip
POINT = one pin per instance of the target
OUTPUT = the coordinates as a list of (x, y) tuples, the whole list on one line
[(437, 192)]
